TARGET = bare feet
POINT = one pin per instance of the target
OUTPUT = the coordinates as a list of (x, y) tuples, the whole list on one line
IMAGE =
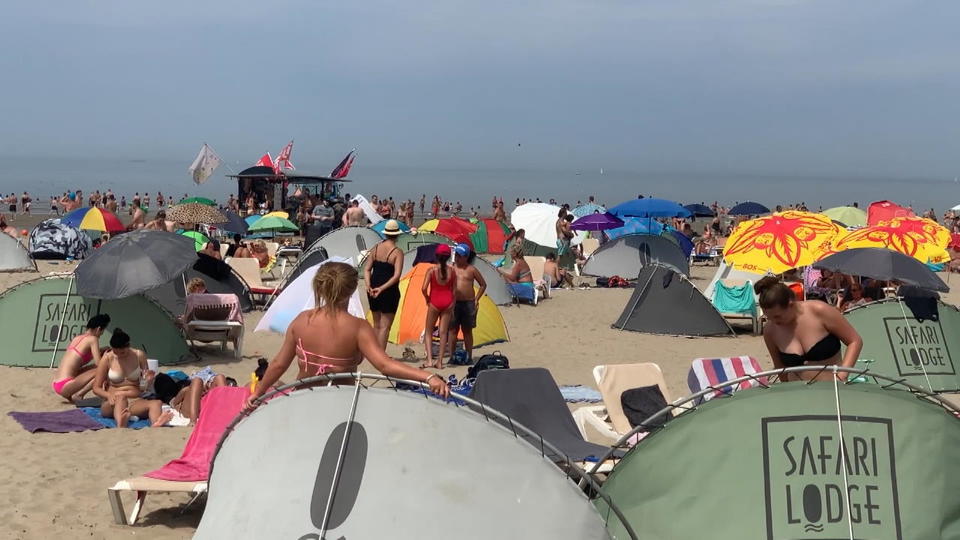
[(425, 365), (162, 420), (124, 418)]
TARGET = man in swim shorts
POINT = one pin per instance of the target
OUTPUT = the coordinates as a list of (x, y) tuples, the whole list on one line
[(467, 299)]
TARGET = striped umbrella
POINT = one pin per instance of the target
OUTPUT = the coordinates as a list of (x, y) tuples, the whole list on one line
[(93, 219)]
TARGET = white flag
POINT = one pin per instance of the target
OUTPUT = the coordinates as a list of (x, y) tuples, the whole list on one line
[(207, 161)]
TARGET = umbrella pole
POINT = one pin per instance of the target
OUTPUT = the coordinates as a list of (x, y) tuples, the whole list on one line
[(63, 317)]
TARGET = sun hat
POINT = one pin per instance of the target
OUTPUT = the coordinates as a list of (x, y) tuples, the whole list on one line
[(392, 228), (462, 250), (442, 249)]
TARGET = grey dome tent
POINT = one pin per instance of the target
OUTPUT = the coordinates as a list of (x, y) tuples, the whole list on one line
[(383, 463), (171, 295), (52, 239), (13, 256), (666, 302), (35, 313), (627, 254), (346, 242)]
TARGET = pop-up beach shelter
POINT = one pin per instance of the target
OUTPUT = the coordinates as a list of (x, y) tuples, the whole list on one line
[(172, 295), (665, 302), (406, 242), (382, 463), (34, 314), (768, 463), (626, 255), (912, 340), (52, 239), (13, 256), (490, 236)]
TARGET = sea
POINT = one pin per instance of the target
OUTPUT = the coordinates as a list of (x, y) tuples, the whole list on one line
[(44, 177)]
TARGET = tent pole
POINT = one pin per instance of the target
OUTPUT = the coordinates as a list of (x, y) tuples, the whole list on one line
[(843, 452), (63, 317), (343, 449)]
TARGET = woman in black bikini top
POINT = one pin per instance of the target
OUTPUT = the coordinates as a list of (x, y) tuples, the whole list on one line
[(805, 333)]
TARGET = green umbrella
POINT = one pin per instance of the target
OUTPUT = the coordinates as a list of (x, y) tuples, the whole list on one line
[(199, 240), (273, 224), (199, 200), (848, 215)]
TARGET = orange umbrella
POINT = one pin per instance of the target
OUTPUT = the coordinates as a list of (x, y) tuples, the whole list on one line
[(920, 238), (780, 242)]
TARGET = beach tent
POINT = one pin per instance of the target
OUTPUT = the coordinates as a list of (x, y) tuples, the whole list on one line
[(497, 288), (915, 342), (766, 463), (13, 256), (626, 255), (666, 302), (52, 239), (308, 260), (343, 473), (490, 236), (32, 312), (346, 242), (172, 295), (297, 297), (727, 272), (636, 225), (408, 323), (406, 242)]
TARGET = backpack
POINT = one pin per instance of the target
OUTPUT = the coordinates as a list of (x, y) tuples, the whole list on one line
[(488, 361)]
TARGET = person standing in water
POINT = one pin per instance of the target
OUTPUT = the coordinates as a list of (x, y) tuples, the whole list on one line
[(466, 299), (382, 275)]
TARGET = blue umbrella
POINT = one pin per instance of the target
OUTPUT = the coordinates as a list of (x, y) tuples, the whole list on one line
[(649, 208), (700, 210), (636, 226), (252, 219), (748, 208), (380, 225), (235, 223), (587, 209)]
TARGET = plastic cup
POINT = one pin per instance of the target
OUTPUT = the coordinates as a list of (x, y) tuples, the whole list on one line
[(153, 365)]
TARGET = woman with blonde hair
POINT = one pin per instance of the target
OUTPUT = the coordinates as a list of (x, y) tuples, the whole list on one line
[(328, 339)]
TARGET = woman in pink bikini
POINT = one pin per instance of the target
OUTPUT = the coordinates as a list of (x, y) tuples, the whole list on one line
[(437, 289), (328, 340), (75, 374)]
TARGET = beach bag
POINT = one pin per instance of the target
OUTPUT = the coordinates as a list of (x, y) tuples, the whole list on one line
[(642, 403), (488, 361)]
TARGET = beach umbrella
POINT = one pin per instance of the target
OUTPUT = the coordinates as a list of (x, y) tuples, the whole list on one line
[(920, 238), (748, 208), (885, 211), (198, 200), (700, 210), (199, 239), (597, 222), (847, 215), (279, 214), (297, 297), (883, 264), (587, 209), (250, 220), (133, 263), (636, 226), (93, 219), (234, 223), (649, 208), (780, 242), (382, 224), (196, 213), (539, 221), (456, 229), (273, 224)]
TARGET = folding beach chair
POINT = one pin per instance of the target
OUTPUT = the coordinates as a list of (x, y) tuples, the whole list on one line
[(215, 317), (707, 372), (189, 473), (249, 269), (735, 300), (612, 381)]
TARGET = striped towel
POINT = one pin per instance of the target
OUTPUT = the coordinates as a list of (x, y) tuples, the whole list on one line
[(706, 372)]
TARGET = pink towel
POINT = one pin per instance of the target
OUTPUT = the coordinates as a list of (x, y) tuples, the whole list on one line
[(217, 409), (209, 299)]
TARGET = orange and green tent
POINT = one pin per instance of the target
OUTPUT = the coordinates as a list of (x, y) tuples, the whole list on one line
[(490, 236)]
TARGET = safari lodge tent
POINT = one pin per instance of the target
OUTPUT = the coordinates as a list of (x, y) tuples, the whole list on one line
[(32, 312), (265, 184)]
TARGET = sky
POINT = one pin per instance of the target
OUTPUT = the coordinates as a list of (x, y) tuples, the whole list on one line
[(784, 87)]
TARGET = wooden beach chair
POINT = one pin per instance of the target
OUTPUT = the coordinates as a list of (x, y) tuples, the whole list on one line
[(613, 380)]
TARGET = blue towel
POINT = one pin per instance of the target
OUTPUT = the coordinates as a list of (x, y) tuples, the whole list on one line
[(178, 375), (523, 291), (94, 412), (580, 394), (734, 299)]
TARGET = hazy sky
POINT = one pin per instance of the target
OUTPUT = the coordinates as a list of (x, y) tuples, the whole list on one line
[(868, 87)]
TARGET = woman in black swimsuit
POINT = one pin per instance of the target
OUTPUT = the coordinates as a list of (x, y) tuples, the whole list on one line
[(382, 275), (805, 333)]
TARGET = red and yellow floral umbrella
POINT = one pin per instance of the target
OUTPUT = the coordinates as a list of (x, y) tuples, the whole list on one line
[(920, 238), (780, 242)]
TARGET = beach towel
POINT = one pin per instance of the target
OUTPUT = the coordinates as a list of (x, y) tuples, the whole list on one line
[(217, 409), (193, 301), (706, 372), (72, 420), (523, 291), (577, 393), (737, 299), (94, 413)]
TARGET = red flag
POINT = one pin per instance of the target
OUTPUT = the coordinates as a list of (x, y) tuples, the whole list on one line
[(343, 169), (283, 160), (267, 161)]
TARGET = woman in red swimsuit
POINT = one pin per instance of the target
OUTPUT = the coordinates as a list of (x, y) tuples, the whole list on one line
[(75, 374), (329, 340), (437, 289)]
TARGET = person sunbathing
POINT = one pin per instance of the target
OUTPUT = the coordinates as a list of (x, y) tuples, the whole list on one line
[(328, 339), (259, 252), (212, 249), (187, 400), (519, 273), (75, 374), (121, 377)]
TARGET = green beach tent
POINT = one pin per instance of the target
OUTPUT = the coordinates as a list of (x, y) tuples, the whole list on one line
[(901, 341), (766, 464), (32, 312)]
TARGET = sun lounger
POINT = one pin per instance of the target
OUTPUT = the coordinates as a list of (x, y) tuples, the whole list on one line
[(190, 472), (249, 270), (613, 380), (215, 317), (723, 294), (707, 372), (588, 246)]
